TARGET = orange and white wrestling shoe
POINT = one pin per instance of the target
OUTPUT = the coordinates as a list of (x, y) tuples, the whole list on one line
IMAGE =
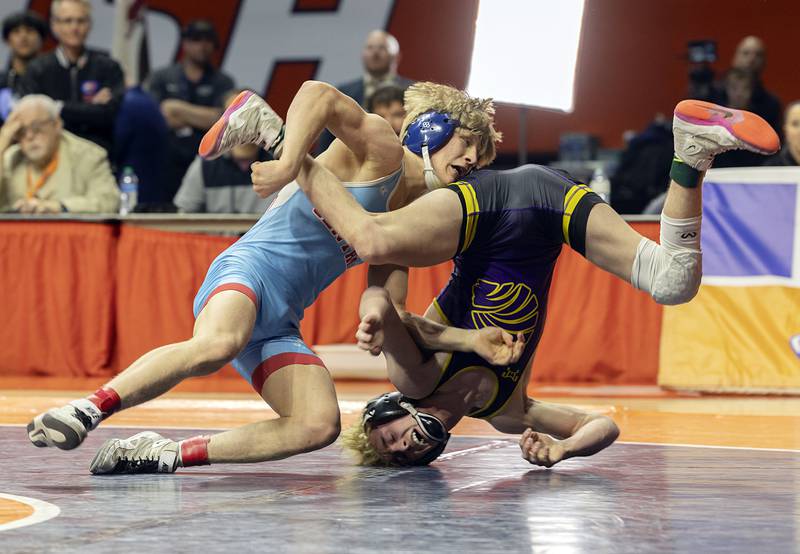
[(247, 120), (702, 130)]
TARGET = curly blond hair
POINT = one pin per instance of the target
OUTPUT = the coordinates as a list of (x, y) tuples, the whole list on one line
[(356, 443), (475, 114)]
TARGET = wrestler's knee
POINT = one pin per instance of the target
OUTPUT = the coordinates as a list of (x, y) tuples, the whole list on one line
[(215, 350), (319, 433), (680, 280), (670, 276)]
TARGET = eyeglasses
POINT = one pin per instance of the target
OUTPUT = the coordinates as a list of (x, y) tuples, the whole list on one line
[(35, 127), (81, 21)]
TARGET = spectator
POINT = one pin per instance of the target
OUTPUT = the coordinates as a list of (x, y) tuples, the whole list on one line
[(223, 185), (737, 92), (190, 94), (751, 56), (51, 170), (643, 170), (140, 142), (24, 33), (387, 102), (89, 83), (790, 153), (380, 56)]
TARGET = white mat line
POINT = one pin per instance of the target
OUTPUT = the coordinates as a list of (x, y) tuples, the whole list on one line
[(42, 511)]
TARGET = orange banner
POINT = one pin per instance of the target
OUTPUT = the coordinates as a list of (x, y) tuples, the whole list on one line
[(87, 299)]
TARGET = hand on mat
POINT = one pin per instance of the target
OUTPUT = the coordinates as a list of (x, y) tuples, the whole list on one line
[(272, 176), (498, 347), (540, 449), (370, 334)]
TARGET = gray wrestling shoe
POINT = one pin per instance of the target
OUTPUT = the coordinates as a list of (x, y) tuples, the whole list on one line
[(248, 120), (145, 452), (64, 427)]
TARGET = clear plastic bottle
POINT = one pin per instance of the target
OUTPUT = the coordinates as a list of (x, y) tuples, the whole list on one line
[(128, 190), (601, 184)]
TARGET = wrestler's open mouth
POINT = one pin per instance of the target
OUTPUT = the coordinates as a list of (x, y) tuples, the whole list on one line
[(460, 171)]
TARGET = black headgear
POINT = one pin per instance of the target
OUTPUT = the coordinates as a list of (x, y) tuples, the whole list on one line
[(393, 405)]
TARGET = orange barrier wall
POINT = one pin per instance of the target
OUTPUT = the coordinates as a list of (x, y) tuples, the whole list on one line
[(85, 299)]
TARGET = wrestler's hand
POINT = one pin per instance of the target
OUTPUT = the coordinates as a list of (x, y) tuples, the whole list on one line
[(272, 176), (497, 346), (369, 334), (540, 449)]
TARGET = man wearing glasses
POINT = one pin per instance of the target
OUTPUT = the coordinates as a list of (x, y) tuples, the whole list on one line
[(89, 83), (51, 170)]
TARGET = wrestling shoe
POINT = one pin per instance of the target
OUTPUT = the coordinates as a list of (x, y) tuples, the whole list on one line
[(702, 130), (145, 452), (65, 427), (248, 120)]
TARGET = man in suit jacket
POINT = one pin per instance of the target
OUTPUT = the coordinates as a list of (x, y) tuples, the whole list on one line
[(51, 170), (380, 56)]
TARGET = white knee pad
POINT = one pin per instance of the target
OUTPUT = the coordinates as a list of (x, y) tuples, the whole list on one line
[(670, 272)]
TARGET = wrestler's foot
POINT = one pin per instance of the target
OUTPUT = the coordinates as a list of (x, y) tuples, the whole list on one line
[(248, 120), (702, 130), (145, 452), (64, 427)]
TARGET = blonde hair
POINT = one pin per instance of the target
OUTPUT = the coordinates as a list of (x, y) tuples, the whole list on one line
[(356, 443), (475, 114)]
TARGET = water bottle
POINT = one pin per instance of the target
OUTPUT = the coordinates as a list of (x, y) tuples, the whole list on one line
[(128, 190), (601, 184)]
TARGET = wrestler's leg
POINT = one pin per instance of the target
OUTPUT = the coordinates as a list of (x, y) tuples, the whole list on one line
[(305, 400), (671, 271), (220, 332), (222, 329), (410, 371)]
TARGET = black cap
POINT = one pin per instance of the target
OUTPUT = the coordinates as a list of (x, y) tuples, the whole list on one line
[(24, 19), (200, 29)]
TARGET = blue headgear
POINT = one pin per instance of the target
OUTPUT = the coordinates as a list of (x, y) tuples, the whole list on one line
[(427, 134), (390, 406)]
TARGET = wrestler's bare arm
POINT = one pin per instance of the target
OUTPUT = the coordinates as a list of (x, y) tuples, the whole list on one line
[(424, 233), (553, 432), (317, 105), (492, 344)]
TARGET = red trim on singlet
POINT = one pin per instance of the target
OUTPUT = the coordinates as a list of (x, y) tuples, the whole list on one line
[(274, 363), (238, 287)]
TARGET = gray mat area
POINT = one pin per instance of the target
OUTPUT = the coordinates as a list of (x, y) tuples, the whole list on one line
[(481, 497)]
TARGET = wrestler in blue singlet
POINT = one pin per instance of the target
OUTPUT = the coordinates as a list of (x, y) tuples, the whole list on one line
[(283, 263)]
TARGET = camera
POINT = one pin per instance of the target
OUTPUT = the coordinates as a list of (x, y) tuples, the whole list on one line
[(702, 51)]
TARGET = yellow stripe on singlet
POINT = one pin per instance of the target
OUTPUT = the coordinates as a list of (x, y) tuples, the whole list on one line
[(472, 210), (439, 309), (571, 200)]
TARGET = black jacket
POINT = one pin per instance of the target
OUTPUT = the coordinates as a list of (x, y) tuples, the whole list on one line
[(75, 84)]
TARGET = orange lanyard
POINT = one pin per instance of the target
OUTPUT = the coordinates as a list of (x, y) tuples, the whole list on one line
[(33, 188)]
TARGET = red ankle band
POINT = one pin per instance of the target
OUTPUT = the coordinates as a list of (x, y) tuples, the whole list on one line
[(106, 399), (194, 451)]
